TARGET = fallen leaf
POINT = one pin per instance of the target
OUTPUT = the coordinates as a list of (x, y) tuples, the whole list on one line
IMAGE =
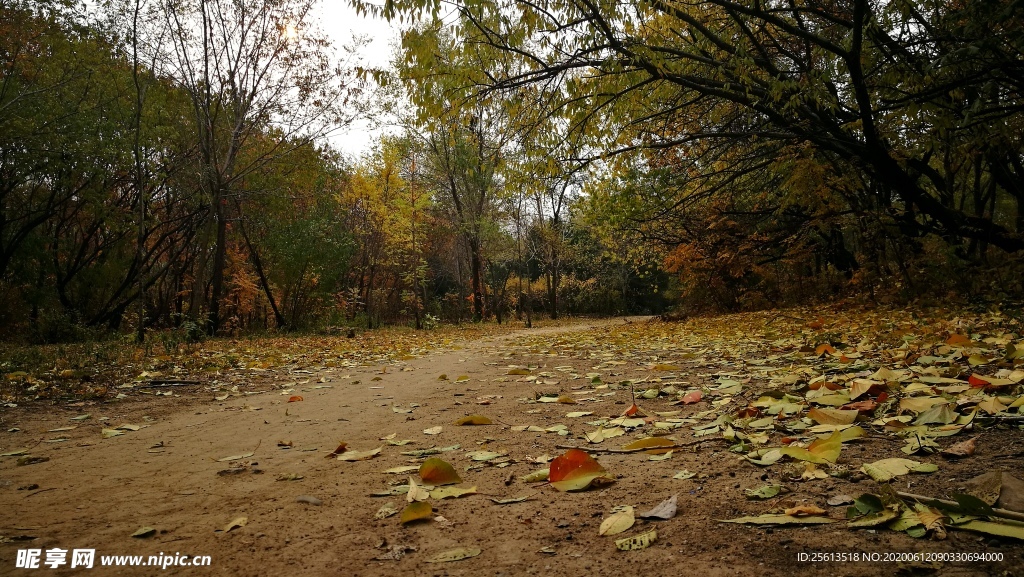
[(454, 555), (576, 470), (820, 451), (415, 492), (602, 434), (416, 511), (144, 532), (617, 522), (958, 340), (438, 472), (962, 449), (433, 430), (655, 444), (664, 510), (237, 457), (342, 447), (832, 416), (510, 501), (777, 519), (107, 433), (887, 469), (451, 492), (235, 524), (395, 553), (386, 510), (765, 492), (633, 411), (294, 399), (537, 476), (1015, 531), (641, 541), (484, 455), (473, 420), (838, 500), (805, 510), (691, 398), (684, 474), (360, 455)]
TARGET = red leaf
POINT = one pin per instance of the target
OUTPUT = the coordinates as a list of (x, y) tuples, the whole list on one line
[(294, 399), (574, 463), (862, 406), (633, 411), (882, 397), (977, 382), (691, 398), (748, 412)]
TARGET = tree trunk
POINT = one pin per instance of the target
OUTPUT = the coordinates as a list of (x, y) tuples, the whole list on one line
[(475, 265), (255, 257), (219, 263)]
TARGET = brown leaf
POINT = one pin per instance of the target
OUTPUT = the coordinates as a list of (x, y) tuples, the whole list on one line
[(805, 510), (342, 447), (961, 449)]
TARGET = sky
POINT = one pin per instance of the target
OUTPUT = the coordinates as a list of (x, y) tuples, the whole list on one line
[(341, 23)]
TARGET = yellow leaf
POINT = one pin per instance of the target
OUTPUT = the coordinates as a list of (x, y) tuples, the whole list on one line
[(641, 541), (473, 420), (359, 455), (438, 472), (618, 522), (235, 524), (416, 511), (832, 416), (451, 492), (655, 444)]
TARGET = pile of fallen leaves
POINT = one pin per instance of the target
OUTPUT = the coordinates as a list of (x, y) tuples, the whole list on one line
[(795, 388)]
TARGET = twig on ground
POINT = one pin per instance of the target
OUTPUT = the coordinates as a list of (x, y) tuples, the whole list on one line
[(1001, 513)]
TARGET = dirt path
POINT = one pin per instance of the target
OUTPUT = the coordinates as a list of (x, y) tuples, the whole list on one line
[(95, 492)]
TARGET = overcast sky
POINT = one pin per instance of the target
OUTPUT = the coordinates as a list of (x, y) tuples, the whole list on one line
[(342, 23)]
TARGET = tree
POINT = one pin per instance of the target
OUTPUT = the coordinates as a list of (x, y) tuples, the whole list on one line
[(253, 69), (892, 94)]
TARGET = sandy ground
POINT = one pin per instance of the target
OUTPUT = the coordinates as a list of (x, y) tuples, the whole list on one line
[(95, 492)]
